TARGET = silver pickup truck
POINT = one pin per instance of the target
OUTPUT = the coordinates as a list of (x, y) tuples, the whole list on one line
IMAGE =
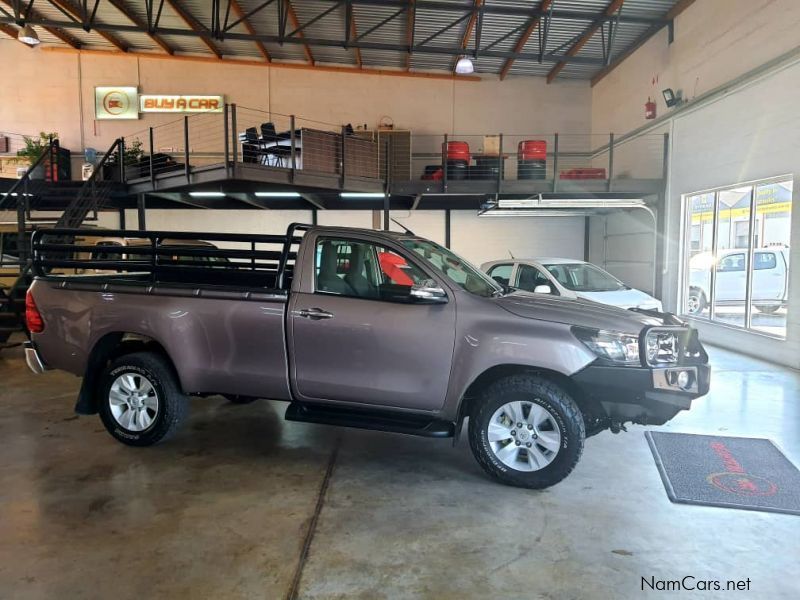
[(357, 328)]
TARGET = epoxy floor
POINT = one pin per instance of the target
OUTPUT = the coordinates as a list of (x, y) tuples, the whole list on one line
[(231, 507)]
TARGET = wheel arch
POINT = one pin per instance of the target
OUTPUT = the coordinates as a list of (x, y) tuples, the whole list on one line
[(592, 410), (107, 348)]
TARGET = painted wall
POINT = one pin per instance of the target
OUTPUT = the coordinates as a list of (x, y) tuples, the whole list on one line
[(715, 41), (58, 94)]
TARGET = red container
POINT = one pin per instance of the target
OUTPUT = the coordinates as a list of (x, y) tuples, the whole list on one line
[(532, 150), (584, 173), (458, 151)]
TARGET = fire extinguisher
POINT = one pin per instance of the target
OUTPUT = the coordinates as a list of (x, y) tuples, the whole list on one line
[(649, 109)]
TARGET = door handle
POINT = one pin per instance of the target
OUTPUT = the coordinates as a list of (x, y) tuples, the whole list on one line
[(314, 314)]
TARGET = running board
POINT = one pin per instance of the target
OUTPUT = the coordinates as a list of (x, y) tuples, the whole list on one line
[(368, 419)]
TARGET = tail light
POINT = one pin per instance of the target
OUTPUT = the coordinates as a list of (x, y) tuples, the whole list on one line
[(32, 316)]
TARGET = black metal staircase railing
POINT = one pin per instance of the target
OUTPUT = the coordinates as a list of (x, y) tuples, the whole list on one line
[(95, 191)]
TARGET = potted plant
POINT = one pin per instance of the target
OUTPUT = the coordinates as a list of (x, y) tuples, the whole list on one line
[(33, 150), (132, 159)]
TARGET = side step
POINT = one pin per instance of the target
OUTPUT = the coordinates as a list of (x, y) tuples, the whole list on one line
[(370, 419)]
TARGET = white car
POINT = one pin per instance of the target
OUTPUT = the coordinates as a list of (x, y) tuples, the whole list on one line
[(569, 278)]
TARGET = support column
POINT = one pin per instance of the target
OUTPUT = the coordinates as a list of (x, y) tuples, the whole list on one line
[(122, 218), (140, 208)]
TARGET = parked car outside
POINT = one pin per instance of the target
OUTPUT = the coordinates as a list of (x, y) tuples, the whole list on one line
[(770, 287), (569, 278)]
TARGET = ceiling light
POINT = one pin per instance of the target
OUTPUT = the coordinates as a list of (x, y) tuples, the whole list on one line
[(277, 195), (517, 203), (533, 213), (27, 35), (207, 194), (464, 66), (362, 195)]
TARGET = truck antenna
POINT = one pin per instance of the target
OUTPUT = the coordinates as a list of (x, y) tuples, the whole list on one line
[(403, 227)]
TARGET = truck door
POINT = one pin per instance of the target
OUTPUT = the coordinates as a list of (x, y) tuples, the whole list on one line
[(357, 335), (769, 276), (731, 280)]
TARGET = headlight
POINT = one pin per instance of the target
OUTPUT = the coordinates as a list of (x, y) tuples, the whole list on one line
[(662, 347), (620, 348)]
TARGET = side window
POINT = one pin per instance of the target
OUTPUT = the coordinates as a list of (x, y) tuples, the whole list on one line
[(764, 260), (529, 277), (732, 262), (501, 274), (364, 270)]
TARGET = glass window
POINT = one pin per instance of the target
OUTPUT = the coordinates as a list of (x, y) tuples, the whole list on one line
[(501, 274), (455, 268), (529, 277), (770, 280), (107, 251), (365, 270), (737, 247), (583, 277)]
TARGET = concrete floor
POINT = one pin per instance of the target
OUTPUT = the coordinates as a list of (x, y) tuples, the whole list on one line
[(224, 510)]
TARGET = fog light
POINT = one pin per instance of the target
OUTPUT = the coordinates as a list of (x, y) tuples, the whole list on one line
[(684, 379)]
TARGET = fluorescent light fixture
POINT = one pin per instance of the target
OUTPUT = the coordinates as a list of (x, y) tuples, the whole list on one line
[(533, 213), (207, 194), (464, 66), (27, 35), (517, 203), (277, 195), (14, 194), (362, 195)]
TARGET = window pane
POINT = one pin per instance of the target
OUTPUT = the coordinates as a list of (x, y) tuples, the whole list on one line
[(771, 258), (529, 277), (501, 273), (364, 270), (733, 243), (698, 253)]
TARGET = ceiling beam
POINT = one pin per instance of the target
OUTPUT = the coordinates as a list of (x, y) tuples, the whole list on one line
[(354, 33), (121, 7), (585, 37), (677, 9), (9, 31), (468, 29), (237, 9), (206, 34), (273, 65), (410, 24), (54, 31), (296, 25), (76, 12), (195, 26), (523, 39)]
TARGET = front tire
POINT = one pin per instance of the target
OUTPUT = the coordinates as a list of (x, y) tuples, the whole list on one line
[(140, 399), (526, 431)]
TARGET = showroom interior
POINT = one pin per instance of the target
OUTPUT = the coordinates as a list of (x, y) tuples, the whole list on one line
[(654, 139)]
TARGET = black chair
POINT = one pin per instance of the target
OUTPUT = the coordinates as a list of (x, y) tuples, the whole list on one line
[(251, 151), (268, 133)]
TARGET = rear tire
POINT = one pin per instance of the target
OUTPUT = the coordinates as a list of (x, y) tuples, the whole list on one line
[(546, 447), (140, 400)]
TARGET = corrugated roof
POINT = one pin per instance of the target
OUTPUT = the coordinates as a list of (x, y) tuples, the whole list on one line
[(440, 25)]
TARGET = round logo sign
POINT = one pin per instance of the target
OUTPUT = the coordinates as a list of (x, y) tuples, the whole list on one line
[(116, 103), (743, 484)]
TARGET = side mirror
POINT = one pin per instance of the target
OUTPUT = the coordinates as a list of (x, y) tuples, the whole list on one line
[(428, 292), (542, 289)]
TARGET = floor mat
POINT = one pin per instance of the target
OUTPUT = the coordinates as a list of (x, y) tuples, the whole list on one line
[(730, 472)]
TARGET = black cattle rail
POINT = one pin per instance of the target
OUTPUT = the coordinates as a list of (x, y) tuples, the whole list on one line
[(261, 261)]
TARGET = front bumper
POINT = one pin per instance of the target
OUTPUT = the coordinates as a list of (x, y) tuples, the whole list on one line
[(33, 359), (648, 396)]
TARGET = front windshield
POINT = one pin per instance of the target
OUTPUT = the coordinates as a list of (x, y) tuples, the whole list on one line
[(453, 267), (582, 277)]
